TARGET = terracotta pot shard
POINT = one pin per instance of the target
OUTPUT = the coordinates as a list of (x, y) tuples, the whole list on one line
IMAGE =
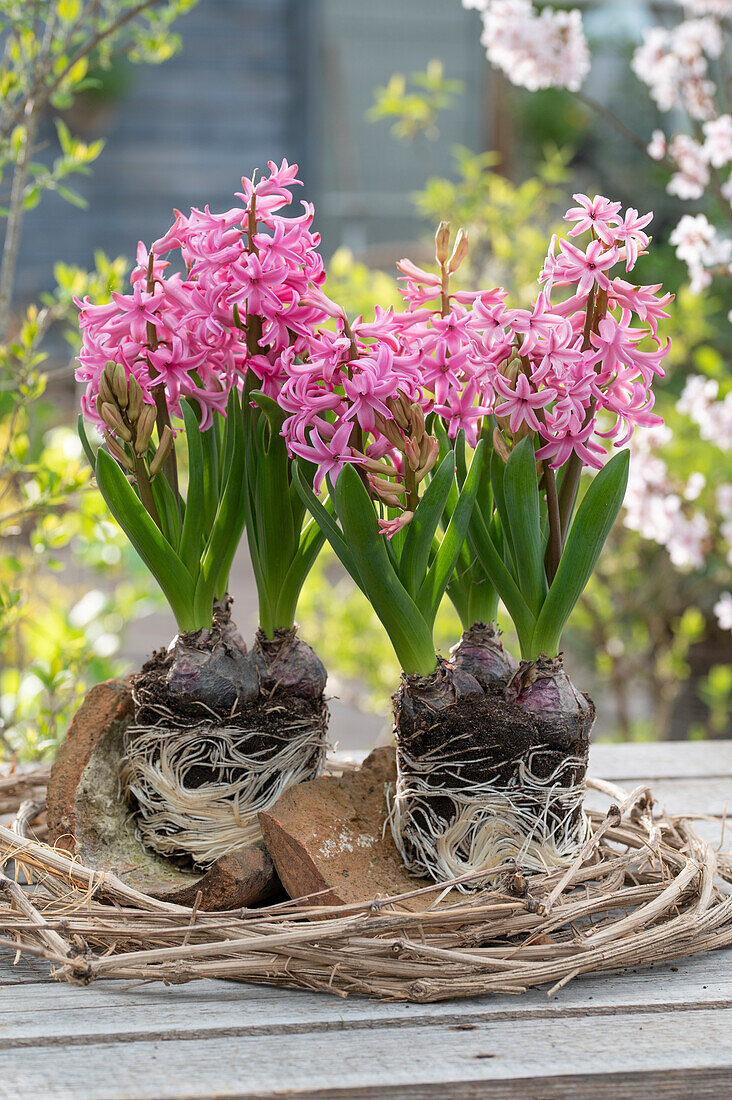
[(88, 817)]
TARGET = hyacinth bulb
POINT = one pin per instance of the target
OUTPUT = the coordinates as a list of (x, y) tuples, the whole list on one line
[(480, 652), (542, 689), (203, 674), (287, 665), (430, 694)]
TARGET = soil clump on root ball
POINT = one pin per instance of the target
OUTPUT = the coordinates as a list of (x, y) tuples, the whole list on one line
[(490, 777), (218, 734)]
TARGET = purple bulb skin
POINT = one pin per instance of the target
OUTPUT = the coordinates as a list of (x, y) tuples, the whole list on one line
[(480, 652), (428, 695), (204, 674), (285, 665), (543, 690)]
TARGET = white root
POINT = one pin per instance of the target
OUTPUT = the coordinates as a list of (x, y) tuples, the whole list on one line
[(536, 821), (203, 820)]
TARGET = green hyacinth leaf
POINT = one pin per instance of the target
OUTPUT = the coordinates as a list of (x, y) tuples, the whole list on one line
[(327, 524), (191, 543), (433, 587), (521, 496), (497, 571), (88, 450), (421, 530), (148, 541), (409, 633), (592, 524)]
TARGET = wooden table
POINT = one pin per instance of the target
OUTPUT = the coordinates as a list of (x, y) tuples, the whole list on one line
[(661, 1032)]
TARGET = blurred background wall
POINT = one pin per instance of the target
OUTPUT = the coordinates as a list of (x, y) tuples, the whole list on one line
[(266, 79)]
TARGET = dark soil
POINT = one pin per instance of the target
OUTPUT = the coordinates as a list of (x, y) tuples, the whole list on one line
[(208, 677)]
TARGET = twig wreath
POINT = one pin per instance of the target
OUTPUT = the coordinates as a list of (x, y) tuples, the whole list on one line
[(644, 888)]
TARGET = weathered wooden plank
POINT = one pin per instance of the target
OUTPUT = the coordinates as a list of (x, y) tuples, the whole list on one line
[(59, 1013), (235, 1066), (706, 1084), (661, 759)]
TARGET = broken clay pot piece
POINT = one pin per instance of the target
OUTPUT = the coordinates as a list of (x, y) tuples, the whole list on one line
[(330, 838), (88, 817)]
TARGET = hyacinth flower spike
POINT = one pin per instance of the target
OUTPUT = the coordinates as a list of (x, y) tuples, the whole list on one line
[(196, 351), (548, 387)]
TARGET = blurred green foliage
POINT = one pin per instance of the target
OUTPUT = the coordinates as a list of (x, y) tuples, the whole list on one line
[(57, 635), (508, 224), (414, 104)]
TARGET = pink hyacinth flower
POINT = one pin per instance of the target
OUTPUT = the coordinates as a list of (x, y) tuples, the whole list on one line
[(592, 214), (521, 402)]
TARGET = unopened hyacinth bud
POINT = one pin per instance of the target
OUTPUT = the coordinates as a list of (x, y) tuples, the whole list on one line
[(425, 447), (411, 453), (118, 452), (381, 486), (164, 449), (390, 429), (399, 408), (442, 242), (459, 252), (433, 453), (135, 403), (511, 367), (416, 419), (500, 446), (106, 392), (144, 429), (384, 469), (119, 385), (112, 417), (393, 501)]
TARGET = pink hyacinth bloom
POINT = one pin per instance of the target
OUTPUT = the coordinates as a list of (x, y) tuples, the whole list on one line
[(371, 383), (558, 354), (329, 455), (534, 323), (596, 214), (138, 309), (255, 284), (463, 414), (628, 234), (559, 450), (200, 347), (450, 366), (586, 269), (614, 344), (417, 274), (389, 527), (521, 402), (642, 300)]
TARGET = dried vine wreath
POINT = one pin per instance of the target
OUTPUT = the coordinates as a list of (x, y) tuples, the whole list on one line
[(645, 888)]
